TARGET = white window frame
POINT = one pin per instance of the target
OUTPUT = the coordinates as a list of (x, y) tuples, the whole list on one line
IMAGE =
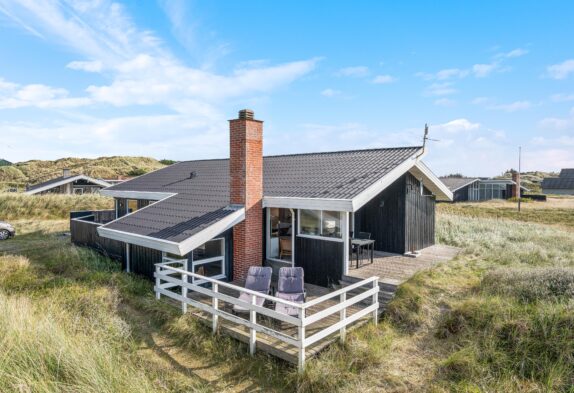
[(204, 261), (319, 237)]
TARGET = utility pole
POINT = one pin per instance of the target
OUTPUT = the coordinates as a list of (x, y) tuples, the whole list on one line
[(519, 177)]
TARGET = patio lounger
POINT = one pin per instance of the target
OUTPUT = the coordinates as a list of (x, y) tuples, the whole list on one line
[(259, 280), (290, 286)]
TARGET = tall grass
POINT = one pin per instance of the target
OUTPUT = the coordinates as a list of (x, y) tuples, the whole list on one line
[(20, 206)]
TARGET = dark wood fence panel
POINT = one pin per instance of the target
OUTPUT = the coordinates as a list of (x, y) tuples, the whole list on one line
[(143, 260), (84, 233), (322, 260)]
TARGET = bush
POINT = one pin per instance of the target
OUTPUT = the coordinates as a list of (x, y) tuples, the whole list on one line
[(137, 172), (522, 200), (167, 162)]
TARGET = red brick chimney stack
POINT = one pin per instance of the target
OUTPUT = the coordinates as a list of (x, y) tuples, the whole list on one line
[(515, 188), (246, 188)]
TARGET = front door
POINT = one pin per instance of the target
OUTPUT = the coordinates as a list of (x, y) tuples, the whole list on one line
[(280, 230)]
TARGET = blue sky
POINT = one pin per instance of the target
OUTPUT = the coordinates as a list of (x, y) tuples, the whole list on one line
[(101, 78)]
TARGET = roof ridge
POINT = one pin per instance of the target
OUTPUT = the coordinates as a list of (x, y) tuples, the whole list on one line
[(310, 153), (345, 151)]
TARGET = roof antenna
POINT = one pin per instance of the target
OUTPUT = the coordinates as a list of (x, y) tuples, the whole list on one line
[(425, 139)]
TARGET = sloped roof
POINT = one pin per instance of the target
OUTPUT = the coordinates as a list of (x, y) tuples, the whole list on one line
[(63, 180), (558, 183), (197, 192), (567, 173), (455, 183)]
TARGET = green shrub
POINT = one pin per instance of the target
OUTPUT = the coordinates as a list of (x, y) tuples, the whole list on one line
[(137, 172)]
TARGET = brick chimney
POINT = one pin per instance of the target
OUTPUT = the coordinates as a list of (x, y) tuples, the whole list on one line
[(515, 188), (66, 173), (246, 188)]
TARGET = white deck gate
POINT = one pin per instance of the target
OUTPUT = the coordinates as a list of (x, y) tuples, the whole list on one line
[(168, 277)]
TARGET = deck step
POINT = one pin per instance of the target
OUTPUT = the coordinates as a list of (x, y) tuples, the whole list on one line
[(386, 293), (389, 285)]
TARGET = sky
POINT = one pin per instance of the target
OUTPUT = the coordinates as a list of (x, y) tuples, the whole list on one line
[(161, 79)]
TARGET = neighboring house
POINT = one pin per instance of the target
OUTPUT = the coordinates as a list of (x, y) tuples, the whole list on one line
[(225, 215), (562, 185), (68, 184), (4, 162), (482, 189), (462, 188)]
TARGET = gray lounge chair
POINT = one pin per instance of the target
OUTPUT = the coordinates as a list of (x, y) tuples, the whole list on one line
[(290, 286), (259, 280)]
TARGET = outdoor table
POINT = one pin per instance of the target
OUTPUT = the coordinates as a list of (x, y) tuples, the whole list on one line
[(360, 243)]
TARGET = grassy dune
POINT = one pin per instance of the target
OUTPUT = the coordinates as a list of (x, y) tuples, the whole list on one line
[(35, 171), (497, 318), (19, 206)]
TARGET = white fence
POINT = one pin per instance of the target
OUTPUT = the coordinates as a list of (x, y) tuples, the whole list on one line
[(168, 278)]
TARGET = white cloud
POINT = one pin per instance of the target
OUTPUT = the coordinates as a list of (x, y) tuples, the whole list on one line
[(440, 89), (330, 93), (561, 70), (445, 74), (88, 66), (518, 52), (445, 102), (143, 71), (512, 107), (14, 96), (383, 79), (456, 126), (354, 72), (562, 97), (480, 100), (558, 123), (483, 70)]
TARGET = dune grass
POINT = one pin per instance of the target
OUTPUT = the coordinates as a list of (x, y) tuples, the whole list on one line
[(557, 211), (20, 206), (499, 317)]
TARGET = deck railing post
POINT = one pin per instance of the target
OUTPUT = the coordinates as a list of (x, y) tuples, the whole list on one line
[(184, 278), (157, 282), (301, 338), (343, 316), (252, 332), (215, 305), (376, 301)]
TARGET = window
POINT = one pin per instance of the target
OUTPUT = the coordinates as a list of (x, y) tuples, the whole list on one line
[(209, 260), (321, 223), (310, 223)]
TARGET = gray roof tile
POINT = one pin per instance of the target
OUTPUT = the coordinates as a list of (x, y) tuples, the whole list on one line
[(202, 187)]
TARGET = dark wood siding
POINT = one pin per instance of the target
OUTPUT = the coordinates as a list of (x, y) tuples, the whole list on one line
[(384, 218), (322, 260), (420, 216), (143, 260), (399, 219), (85, 233)]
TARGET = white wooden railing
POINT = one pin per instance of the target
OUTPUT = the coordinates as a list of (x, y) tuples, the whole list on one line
[(168, 277)]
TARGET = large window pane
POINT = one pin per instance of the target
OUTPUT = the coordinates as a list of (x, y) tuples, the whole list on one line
[(211, 249), (311, 222), (209, 269), (331, 224)]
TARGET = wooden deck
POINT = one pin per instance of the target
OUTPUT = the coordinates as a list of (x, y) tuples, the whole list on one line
[(270, 344), (394, 269)]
